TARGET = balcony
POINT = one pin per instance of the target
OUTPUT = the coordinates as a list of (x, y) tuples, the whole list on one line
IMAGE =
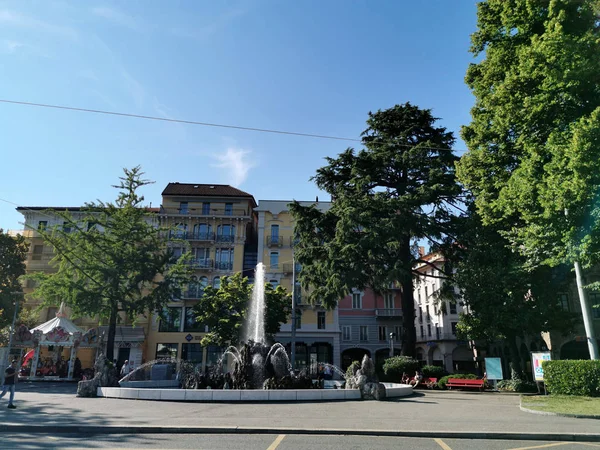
[(225, 238), (39, 260), (201, 264), (204, 212), (221, 265), (287, 268), (388, 313), (274, 241), (191, 236)]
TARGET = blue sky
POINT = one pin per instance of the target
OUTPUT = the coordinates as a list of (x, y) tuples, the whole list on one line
[(311, 66)]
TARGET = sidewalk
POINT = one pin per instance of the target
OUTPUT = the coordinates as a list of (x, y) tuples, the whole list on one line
[(438, 412)]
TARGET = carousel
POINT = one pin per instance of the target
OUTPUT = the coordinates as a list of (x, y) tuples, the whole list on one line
[(49, 351)]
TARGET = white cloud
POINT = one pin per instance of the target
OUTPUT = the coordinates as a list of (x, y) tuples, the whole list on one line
[(14, 19), (12, 46), (237, 164), (118, 17)]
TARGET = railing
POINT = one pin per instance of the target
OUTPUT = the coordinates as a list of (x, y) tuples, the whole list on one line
[(225, 238), (204, 212), (388, 312), (206, 264), (275, 241), (437, 337), (43, 256), (220, 265), (287, 268), (191, 236)]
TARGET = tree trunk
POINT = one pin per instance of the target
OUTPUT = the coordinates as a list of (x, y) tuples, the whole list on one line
[(516, 369), (409, 333), (112, 331)]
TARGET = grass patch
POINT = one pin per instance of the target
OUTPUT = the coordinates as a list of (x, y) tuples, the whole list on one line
[(563, 404)]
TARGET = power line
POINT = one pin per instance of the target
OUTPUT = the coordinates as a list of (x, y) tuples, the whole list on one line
[(209, 124)]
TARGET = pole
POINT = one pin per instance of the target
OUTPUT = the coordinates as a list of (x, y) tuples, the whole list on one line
[(293, 340), (586, 310), (391, 344), (12, 328)]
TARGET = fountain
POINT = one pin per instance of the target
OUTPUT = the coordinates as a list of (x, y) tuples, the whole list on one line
[(260, 372)]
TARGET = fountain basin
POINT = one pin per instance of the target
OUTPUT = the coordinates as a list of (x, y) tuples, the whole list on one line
[(230, 395)]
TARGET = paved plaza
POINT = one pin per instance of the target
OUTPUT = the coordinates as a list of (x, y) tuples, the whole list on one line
[(55, 406)]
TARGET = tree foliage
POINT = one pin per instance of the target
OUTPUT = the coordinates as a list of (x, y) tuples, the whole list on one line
[(113, 260), (224, 310), (400, 188), (13, 253), (26, 316), (534, 139), (505, 298)]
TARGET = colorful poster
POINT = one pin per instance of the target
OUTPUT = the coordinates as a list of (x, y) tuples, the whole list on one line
[(536, 364), (493, 368)]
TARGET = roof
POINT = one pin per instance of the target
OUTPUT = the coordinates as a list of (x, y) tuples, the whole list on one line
[(207, 190), (65, 208), (60, 320)]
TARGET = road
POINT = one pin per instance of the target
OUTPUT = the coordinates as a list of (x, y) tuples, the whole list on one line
[(268, 442)]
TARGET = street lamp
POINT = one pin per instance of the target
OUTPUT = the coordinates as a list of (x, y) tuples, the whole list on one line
[(392, 335)]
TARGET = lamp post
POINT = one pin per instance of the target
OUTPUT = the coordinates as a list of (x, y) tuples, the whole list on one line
[(392, 335)]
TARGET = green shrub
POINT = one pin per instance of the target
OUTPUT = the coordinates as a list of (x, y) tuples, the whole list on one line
[(433, 372), (463, 376), (351, 369), (517, 386), (572, 377), (395, 366)]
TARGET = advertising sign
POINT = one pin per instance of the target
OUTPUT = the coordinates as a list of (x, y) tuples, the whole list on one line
[(493, 368), (536, 364)]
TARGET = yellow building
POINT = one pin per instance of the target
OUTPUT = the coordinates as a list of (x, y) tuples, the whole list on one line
[(214, 222), (317, 329), (129, 340)]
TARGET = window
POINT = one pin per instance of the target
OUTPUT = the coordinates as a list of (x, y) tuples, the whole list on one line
[(452, 307), (346, 336), (225, 233), (203, 283), (193, 290), (91, 225), (453, 325), (419, 297), (356, 301), (420, 315), (202, 257), (224, 258), (191, 324), (192, 353), (205, 208), (67, 227), (428, 315), (298, 319), (422, 331), (274, 260), (274, 234), (364, 333), (42, 225), (429, 329), (274, 283), (217, 282), (166, 351), (179, 232), (437, 332), (183, 207), (594, 299), (397, 333), (229, 209), (382, 334), (37, 252), (563, 299), (388, 301), (170, 320), (426, 295), (202, 231), (213, 355), (321, 318), (51, 314)]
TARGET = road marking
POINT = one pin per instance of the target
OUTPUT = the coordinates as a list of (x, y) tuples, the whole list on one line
[(276, 442), (442, 444), (555, 444)]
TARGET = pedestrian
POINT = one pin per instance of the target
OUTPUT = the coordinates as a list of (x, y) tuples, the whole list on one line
[(125, 368), (10, 379)]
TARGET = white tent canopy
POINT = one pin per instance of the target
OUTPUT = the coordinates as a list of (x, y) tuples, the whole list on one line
[(52, 328)]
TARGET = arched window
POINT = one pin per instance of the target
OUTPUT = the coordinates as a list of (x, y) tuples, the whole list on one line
[(193, 288), (217, 282), (202, 231), (180, 230), (203, 282), (226, 233)]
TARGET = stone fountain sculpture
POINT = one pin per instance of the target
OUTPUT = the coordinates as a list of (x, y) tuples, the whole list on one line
[(105, 375), (364, 378)]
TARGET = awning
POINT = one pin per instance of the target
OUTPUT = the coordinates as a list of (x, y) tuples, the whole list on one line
[(125, 333)]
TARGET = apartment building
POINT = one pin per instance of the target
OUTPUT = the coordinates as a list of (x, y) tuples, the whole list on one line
[(317, 329), (366, 320), (436, 321), (216, 224)]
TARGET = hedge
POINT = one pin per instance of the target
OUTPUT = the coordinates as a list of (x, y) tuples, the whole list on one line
[(433, 372), (394, 367), (463, 376), (565, 377), (517, 386)]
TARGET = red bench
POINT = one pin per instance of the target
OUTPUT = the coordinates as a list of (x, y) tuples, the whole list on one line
[(459, 382), (427, 382)]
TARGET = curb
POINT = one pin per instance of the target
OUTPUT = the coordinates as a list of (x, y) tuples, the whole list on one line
[(548, 413), (94, 430)]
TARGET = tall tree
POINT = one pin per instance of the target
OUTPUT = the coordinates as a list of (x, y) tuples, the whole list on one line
[(114, 260), (13, 253), (224, 310), (399, 189), (534, 141), (505, 299)]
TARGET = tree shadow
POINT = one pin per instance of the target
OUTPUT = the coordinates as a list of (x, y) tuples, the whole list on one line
[(66, 441)]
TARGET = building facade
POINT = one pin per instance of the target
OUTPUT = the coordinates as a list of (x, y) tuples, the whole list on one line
[(216, 224), (317, 329)]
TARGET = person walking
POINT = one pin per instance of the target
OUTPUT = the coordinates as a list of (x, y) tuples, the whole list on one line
[(10, 379)]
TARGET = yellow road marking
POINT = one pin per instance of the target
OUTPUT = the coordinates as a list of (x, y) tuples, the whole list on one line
[(276, 442), (442, 444)]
